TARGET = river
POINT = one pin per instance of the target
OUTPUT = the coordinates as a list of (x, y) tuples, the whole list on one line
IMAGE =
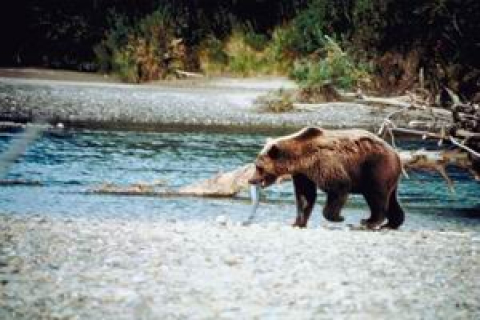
[(58, 171)]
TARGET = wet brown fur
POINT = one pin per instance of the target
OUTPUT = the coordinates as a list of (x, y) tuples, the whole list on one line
[(338, 162)]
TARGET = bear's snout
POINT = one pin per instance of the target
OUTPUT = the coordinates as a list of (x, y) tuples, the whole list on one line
[(264, 181), (254, 180)]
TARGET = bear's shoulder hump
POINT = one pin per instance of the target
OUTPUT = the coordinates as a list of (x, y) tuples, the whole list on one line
[(308, 133)]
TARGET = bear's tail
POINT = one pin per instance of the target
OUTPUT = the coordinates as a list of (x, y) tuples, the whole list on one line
[(395, 213)]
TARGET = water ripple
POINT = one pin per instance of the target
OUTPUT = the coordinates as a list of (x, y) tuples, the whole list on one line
[(67, 166)]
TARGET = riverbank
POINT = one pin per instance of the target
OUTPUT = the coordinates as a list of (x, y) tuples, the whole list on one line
[(218, 104), (133, 269), (68, 254)]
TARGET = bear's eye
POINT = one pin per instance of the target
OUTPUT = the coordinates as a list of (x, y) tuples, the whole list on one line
[(260, 170)]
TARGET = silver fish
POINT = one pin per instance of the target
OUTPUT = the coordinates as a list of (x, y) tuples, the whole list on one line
[(255, 196)]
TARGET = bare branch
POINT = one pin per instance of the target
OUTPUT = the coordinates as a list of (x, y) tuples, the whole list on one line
[(464, 147)]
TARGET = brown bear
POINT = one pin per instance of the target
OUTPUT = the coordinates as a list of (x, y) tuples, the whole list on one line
[(338, 162)]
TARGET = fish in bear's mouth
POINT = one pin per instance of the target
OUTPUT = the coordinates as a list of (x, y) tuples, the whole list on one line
[(264, 181)]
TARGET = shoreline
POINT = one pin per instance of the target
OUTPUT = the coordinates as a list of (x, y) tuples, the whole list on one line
[(124, 269), (217, 104), (152, 264)]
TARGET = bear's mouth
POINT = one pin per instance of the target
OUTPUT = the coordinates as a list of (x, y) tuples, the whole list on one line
[(265, 181)]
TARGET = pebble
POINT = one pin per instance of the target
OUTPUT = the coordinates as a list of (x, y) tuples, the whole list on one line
[(211, 105), (221, 220), (114, 269)]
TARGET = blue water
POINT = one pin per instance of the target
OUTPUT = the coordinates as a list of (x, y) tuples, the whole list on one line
[(71, 164)]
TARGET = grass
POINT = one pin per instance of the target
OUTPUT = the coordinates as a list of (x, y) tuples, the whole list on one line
[(334, 66), (276, 101)]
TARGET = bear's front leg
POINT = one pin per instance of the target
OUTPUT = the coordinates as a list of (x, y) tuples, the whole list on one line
[(305, 195), (335, 203)]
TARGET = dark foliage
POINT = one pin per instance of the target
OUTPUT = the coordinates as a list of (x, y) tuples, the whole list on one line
[(58, 33), (440, 37)]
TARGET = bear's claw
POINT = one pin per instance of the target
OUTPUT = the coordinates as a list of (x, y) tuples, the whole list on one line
[(372, 225), (335, 218)]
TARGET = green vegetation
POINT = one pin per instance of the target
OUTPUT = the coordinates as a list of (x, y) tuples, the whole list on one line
[(378, 44), (277, 101), (243, 53), (334, 66), (140, 52)]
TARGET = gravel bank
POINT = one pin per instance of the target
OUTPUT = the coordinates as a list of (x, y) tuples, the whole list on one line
[(217, 104), (142, 267), (128, 269)]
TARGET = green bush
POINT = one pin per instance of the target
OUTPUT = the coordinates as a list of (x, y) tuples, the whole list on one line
[(115, 38), (309, 28), (139, 51), (276, 101), (335, 67), (124, 65), (212, 56), (256, 41), (243, 53), (243, 58), (301, 38), (281, 50), (305, 34)]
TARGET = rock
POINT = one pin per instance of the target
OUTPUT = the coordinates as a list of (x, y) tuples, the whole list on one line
[(221, 220), (231, 261), (119, 268)]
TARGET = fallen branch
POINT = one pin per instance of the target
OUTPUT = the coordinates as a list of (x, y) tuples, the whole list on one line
[(383, 101), (464, 147), (222, 185), (446, 125), (189, 74), (230, 183), (424, 134), (311, 107), (437, 161)]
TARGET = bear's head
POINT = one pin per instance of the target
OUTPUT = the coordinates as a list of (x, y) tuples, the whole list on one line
[(282, 156), (266, 171)]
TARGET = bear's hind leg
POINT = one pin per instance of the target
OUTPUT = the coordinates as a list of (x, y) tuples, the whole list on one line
[(378, 205), (335, 202), (395, 214), (305, 194)]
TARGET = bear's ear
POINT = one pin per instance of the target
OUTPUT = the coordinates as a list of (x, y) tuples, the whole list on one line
[(309, 133), (274, 152)]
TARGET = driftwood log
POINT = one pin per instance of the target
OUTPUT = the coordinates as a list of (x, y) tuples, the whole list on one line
[(230, 183), (221, 185)]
